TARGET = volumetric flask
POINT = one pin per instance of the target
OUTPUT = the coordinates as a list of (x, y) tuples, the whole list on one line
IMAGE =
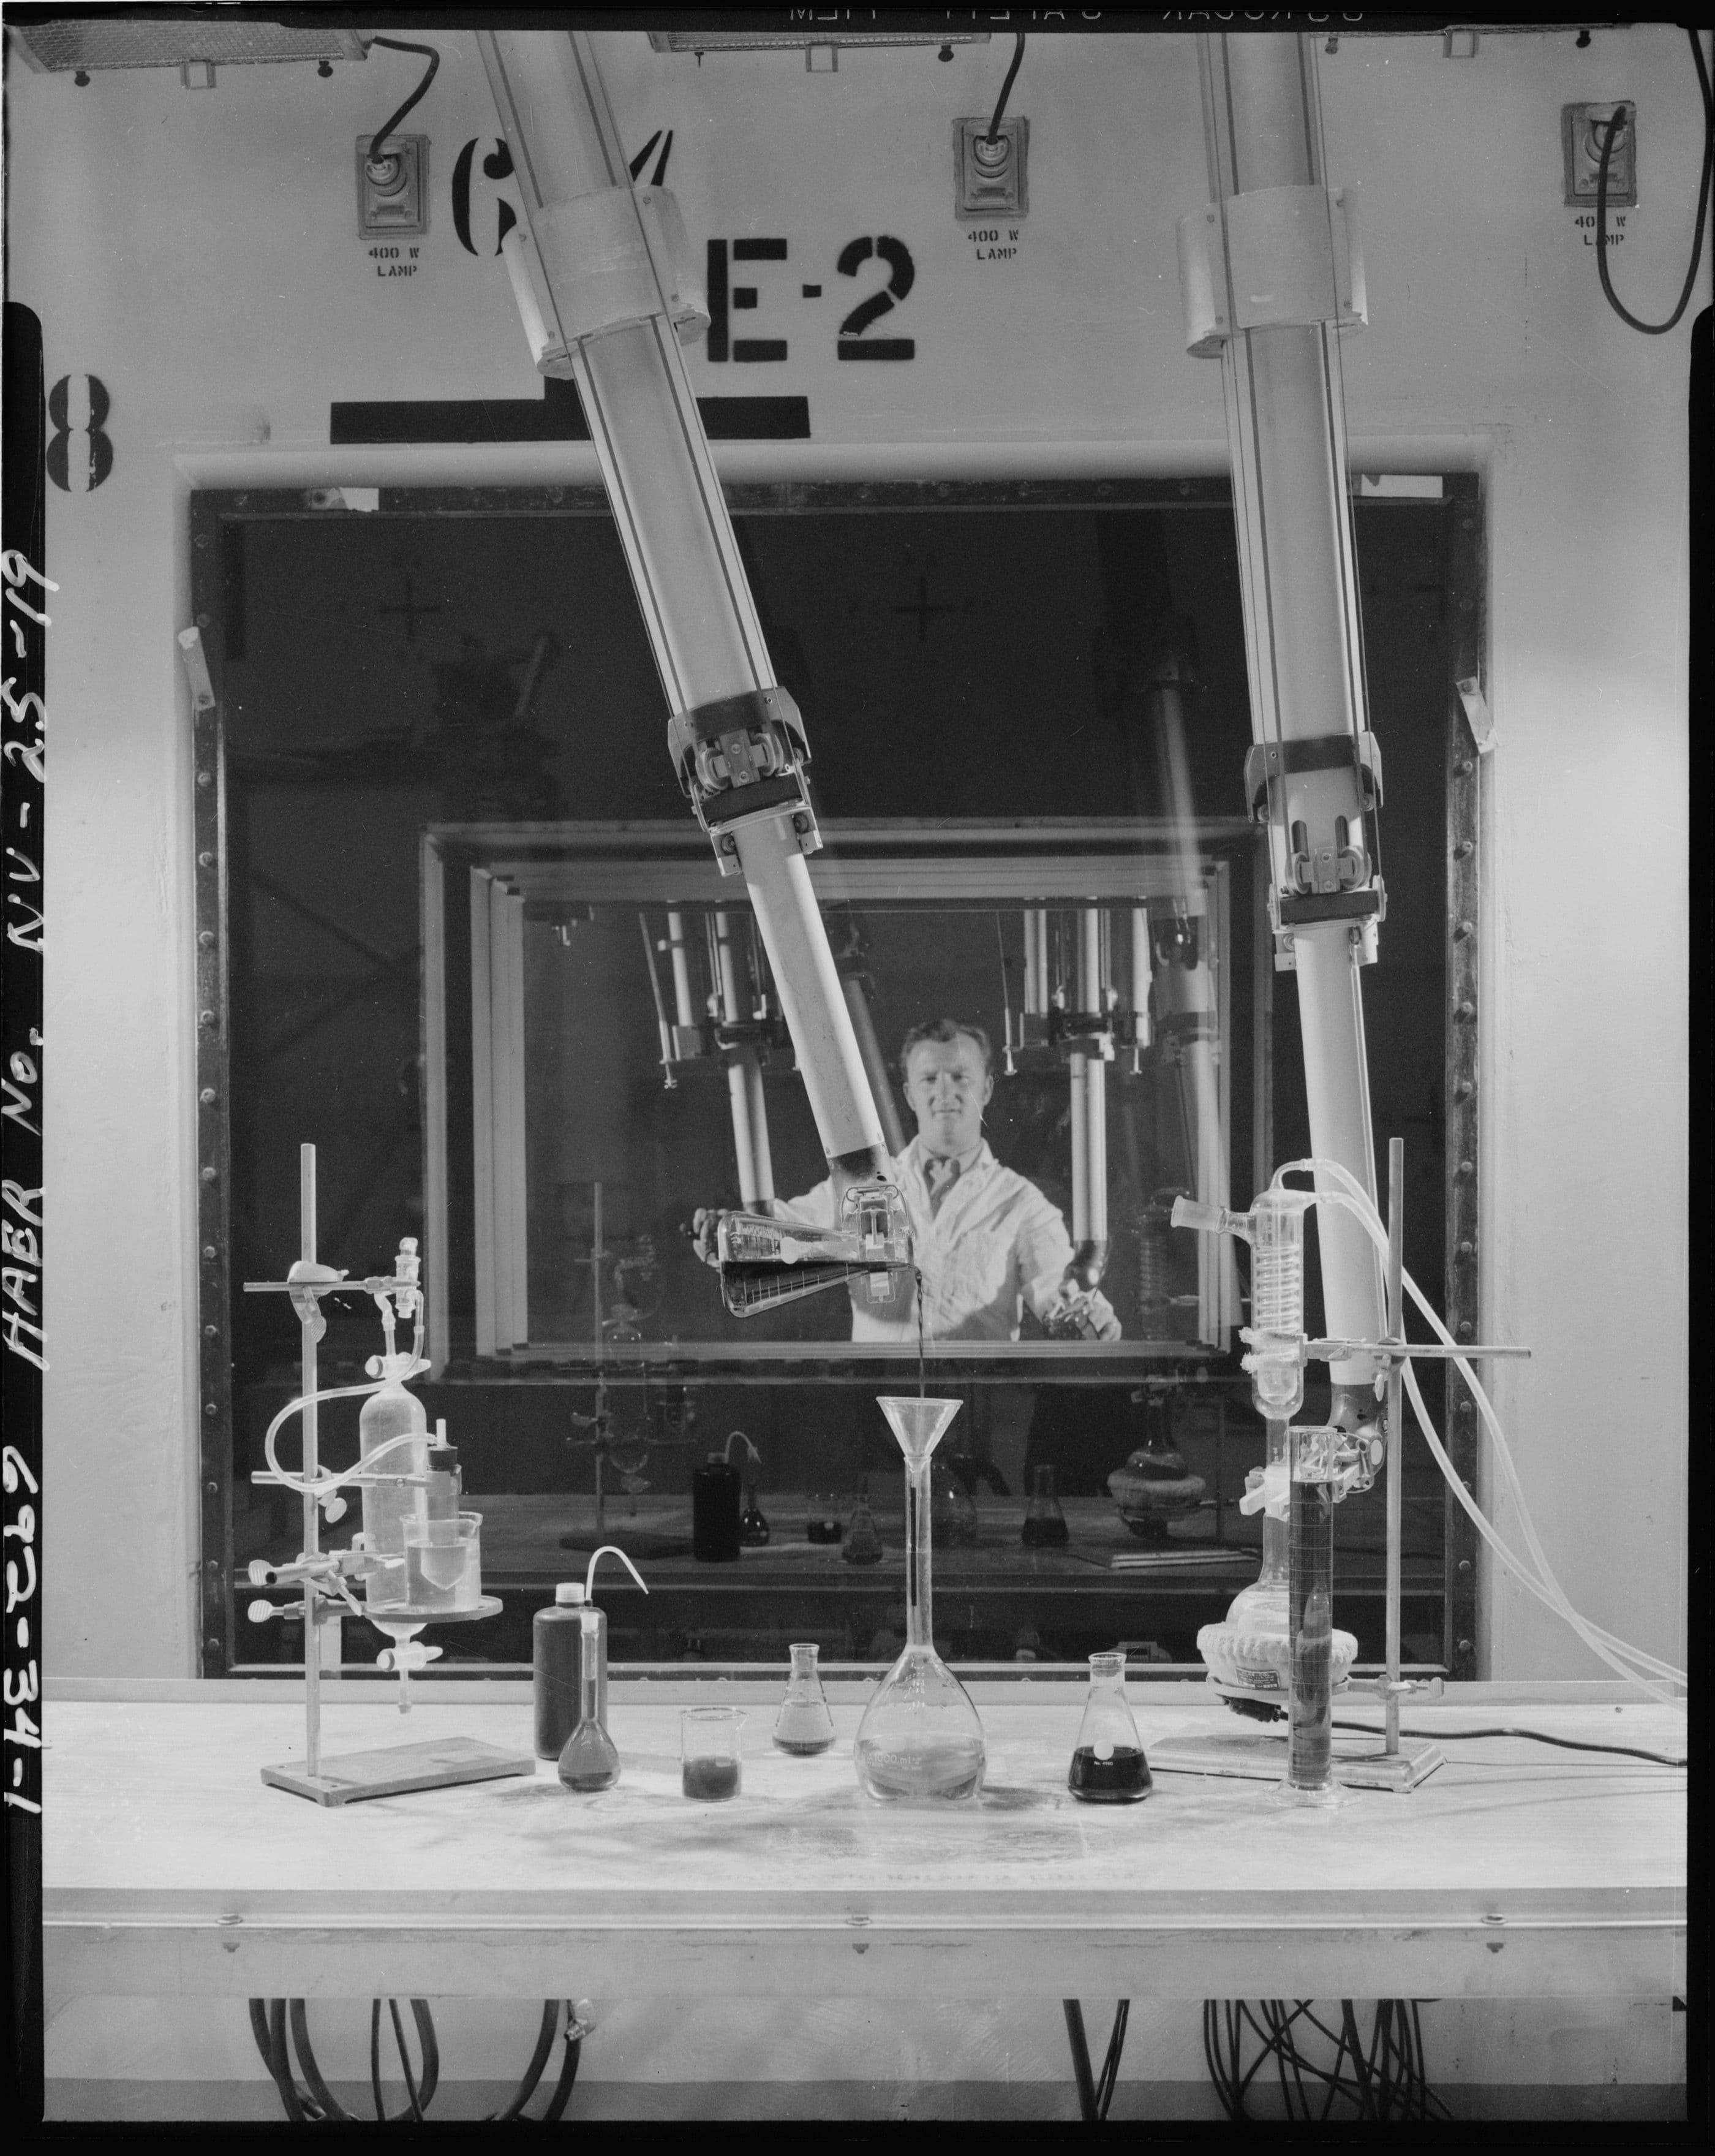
[(1108, 1762), (803, 1725), (591, 1759), (920, 1736)]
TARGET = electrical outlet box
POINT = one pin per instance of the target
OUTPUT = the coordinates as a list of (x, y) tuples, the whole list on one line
[(991, 179), (392, 191), (1584, 128)]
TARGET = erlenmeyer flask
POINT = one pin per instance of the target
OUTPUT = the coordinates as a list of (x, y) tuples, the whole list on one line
[(803, 1725), (1044, 1523), (1108, 1762), (920, 1736)]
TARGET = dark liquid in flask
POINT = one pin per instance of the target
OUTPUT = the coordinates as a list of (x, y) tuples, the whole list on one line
[(710, 1780), (1123, 1778), (1044, 1534)]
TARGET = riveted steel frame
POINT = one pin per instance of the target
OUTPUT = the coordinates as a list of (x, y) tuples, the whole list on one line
[(1465, 557), (214, 1371)]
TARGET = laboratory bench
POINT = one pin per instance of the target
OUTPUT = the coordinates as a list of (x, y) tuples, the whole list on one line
[(170, 1868)]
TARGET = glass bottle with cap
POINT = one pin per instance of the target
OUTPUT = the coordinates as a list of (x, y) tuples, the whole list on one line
[(561, 1643)]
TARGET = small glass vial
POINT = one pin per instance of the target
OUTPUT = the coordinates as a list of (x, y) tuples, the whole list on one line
[(1044, 1523), (1108, 1764), (804, 1726)]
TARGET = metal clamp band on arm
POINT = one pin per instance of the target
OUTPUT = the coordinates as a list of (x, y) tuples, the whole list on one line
[(739, 757)]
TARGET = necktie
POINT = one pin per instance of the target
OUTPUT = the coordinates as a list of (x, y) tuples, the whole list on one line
[(942, 1174)]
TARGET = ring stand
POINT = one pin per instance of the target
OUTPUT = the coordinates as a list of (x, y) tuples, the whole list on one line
[(436, 1763)]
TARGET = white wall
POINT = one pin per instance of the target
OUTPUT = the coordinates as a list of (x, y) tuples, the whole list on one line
[(195, 249)]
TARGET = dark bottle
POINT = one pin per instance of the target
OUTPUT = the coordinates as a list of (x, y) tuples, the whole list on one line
[(716, 1490), (1044, 1523)]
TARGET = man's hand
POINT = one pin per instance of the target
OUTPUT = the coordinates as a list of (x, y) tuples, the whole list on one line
[(1082, 1314), (705, 1226)]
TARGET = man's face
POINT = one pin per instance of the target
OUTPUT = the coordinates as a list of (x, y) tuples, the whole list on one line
[(948, 1088)]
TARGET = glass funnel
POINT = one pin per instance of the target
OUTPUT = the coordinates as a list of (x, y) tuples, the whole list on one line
[(920, 1736), (1108, 1763)]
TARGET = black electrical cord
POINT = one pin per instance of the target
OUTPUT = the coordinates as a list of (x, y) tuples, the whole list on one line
[(377, 141), (1621, 115), (315, 2104), (1535, 1736), (539, 2058), (331, 2108), (1385, 2082), (993, 134)]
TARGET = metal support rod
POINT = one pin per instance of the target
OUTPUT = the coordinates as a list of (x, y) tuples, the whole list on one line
[(309, 1325), (1395, 1435)]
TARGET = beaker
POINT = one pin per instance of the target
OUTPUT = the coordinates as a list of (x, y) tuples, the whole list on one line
[(804, 1726), (443, 1568), (710, 1769), (1044, 1523), (1108, 1763), (920, 1736)]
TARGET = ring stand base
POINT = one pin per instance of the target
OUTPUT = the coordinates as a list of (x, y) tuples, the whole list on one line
[(1359, 1762), (439, 1763)]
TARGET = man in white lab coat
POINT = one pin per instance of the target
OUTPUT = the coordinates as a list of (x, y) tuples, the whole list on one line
[(986, 1241)]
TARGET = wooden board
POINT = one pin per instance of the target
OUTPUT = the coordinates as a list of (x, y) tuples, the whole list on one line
[(437, 1763)]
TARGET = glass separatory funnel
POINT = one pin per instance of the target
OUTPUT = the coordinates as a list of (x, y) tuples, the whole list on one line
[(804, 1726), (921, 1737), (1108, 1762)]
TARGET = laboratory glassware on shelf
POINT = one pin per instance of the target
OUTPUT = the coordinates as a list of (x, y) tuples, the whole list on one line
[(1044, 1523), (1108, 1763), (414, 1531), (717, 1505), (862, 1543), (921, 1737), (803, 1725)]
